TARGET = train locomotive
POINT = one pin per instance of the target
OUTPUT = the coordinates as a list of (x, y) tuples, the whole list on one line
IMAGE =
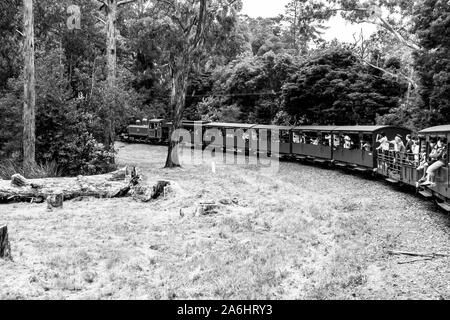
[(351, 147)]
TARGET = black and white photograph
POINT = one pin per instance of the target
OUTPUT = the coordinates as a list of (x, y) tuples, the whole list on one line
[(224, 150)]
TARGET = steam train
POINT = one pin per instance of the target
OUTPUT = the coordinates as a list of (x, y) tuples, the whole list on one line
[(351, 147)]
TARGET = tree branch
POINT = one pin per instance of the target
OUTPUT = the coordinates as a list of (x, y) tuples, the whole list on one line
[(100, 20), (124, 2), (388, 26), (104, 4), (410, 81)]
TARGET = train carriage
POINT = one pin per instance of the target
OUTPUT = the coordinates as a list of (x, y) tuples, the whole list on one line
[(196, 130), (229, 136), (312, 142), (355, 146), (272, 139), (441, 187)]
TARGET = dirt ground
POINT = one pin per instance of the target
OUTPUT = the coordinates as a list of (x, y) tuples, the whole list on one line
[(304, 233)]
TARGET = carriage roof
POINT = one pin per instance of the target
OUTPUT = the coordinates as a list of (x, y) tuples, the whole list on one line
[(315, 128), (273, 127), (438, 129), (370, 129), (229, 125)]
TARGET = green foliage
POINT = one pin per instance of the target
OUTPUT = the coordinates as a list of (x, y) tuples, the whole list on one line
[(432, 22), (333, 87), (63, 128), (248, 87)]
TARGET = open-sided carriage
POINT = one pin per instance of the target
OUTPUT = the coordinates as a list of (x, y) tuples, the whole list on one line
[(356, 145), (441, 188)]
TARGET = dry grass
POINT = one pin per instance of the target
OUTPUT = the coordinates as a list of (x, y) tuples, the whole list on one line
[(299, 234), (46, 170)]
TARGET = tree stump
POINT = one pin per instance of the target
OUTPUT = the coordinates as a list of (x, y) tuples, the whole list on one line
[(207, 208), (55, 201), (5, 247), (147, 193)]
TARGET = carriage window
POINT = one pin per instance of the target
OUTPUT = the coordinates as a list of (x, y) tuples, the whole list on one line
[(284, 136), (295, 137), (327, 139), (350, 141), (366, 143), (312, 138), (336, 140), (271, 137)]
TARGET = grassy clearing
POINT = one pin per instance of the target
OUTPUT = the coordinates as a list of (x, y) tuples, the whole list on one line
[(303, 233)]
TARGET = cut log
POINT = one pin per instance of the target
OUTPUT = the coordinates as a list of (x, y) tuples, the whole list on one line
[(55, 201), (5, 247), (207, 208), (99, 186), (147, 193), (18, 181)]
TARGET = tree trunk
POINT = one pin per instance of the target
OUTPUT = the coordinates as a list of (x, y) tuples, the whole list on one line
[(177, 103), (111, 55), (5, 247), (29, 97)]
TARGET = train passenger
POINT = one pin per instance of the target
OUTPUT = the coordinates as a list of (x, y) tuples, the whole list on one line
[(328, 140), (415, 149), (315, 141), (383, 141), (347, 142), (337, 141), (439, 158), (409, 144), (366, 146), (399, 146), (426, 162)]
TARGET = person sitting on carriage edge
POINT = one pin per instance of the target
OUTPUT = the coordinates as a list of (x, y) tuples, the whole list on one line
[(440, 157), (425, 163)]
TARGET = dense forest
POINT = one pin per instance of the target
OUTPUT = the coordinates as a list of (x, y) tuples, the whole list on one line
[(204, 59)]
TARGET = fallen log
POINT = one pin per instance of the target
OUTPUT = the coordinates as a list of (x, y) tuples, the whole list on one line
[(99, 186), (5, 247)]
